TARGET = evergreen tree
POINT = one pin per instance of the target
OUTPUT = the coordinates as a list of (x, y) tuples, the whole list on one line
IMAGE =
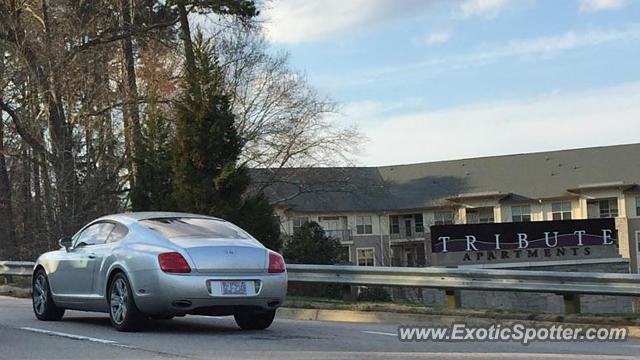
[(310, 245), (153, 190), (207, 179), (206, 176), (257, 217), (196, 170)]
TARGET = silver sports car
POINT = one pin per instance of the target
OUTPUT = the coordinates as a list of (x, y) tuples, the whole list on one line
[(159, 265)]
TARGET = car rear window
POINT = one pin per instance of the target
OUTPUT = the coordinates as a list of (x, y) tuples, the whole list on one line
[(194, 227)]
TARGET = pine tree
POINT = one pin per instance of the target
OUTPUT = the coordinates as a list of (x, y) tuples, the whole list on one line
[(153, 190), (257, 217), (207, 179)]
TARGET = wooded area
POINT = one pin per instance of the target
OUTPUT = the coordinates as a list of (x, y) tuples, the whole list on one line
[(113, 105)]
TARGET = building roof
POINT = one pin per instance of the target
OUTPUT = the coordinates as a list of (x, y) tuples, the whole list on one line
[(541, 175)]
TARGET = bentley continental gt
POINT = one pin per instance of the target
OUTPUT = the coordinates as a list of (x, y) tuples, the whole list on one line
[(157, 265)]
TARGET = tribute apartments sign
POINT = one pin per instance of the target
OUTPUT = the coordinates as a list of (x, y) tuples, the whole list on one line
[(523, 241)]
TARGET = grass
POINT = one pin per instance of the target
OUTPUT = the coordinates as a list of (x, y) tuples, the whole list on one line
[(626, 319)]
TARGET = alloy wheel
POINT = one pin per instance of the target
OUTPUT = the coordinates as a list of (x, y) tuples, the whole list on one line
[(119, 297), (40, 294)]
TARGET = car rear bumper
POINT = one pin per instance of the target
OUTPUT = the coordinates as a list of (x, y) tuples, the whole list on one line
[(159, 293)]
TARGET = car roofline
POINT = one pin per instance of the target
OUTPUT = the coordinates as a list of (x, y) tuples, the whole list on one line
[(140, 216)]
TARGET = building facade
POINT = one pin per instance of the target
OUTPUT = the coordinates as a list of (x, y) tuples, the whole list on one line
[(382, 215)]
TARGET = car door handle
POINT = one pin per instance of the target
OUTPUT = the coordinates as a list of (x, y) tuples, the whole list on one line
[(92, 256)]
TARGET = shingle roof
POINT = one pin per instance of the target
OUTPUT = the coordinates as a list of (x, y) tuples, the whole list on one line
[(402, 187)]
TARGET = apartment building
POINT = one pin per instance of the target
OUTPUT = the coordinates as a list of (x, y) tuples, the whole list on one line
[(382, 215)]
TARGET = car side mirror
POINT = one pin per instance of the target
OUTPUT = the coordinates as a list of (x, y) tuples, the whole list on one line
[(66, 242)]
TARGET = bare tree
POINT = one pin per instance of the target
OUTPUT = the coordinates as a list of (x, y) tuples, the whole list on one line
[(49, 89), (131, 115), (75, 79), (285, 122)]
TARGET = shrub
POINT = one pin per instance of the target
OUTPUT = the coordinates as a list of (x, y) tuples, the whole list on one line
[(374, 294)]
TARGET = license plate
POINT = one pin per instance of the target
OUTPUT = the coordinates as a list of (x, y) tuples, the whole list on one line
[(234, 288)]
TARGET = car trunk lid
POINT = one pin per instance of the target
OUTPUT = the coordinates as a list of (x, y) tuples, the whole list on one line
[(224, 255)]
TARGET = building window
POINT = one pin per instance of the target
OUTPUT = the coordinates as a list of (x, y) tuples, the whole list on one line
[(417, 218), (608, 208), (394, 225), (330, 225), (638, 205), (299, 221), (480, 215), (363, 225), (444, 217), (366, 256), (521, 213), (561, 210), (408, 225)]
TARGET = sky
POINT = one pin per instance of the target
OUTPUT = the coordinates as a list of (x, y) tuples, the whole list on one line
[(428, 80)]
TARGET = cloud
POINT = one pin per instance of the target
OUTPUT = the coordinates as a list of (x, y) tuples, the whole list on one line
[(482, 7), (435, 38), (599, 5), (296, 21), (598, 117), (539, 47), (566, 41)]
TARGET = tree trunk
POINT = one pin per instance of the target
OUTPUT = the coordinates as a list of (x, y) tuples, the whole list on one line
[(185, 36), (131, 93), (25, 201), (37, 205), (49, 206), (8, 246), (61, 141)]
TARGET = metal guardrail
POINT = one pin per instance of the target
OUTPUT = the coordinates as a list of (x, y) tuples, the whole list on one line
[(568, 284), (471, 279), (16, 268)]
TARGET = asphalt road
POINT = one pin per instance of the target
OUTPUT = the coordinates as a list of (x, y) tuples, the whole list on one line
[(90, 336)]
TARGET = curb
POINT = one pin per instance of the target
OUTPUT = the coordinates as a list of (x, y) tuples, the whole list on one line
[(421, 319), (15, 291)]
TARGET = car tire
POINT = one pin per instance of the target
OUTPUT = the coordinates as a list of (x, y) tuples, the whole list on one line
[(255, 321), (43, 306), (123, 312)]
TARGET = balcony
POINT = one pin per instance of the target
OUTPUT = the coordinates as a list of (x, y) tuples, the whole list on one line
[(342, 235), (406, 227), (412, 234)]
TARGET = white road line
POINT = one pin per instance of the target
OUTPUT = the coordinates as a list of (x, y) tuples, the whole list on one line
[(380, 333), (69, 336)]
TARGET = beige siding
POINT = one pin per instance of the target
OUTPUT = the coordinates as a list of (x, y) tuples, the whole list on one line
[(540, 211)]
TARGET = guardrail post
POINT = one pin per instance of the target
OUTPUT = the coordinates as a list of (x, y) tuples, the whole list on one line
[(571, 303), (452, 298), (348, 293)]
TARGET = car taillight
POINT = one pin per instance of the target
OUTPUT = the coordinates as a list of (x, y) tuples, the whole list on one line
[(173, 262), (276, 263)]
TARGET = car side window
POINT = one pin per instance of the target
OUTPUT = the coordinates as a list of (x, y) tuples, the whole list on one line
[(95, 234), (118, 233)]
